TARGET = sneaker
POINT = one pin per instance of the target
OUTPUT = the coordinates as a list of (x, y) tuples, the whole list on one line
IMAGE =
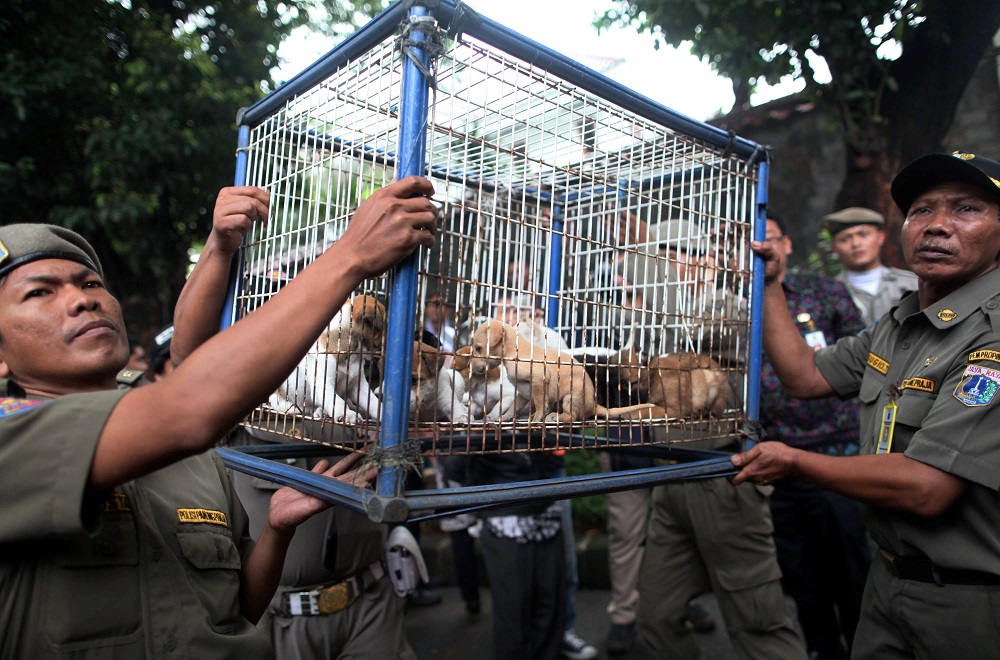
[(621, 638), (698, 618), (574, 648)]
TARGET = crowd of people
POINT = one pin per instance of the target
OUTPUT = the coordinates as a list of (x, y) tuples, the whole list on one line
[(868, 504)]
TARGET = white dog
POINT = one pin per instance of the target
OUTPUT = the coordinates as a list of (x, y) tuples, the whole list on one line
[(330, 380)]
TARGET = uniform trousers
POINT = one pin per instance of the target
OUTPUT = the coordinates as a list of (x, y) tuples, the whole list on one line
[(921, 620), (709, 534), (370, 627), (824, 556), (628, 515), (527, 581)]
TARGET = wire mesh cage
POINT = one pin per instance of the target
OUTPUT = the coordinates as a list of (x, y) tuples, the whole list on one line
[(591, 282)]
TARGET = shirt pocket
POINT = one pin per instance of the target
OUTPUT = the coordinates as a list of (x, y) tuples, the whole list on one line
[(102, 568), (913, 408), (214, 559)]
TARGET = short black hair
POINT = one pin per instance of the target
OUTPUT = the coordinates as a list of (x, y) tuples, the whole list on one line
[(777, 219)]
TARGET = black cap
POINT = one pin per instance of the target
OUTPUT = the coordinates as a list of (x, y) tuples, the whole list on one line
[(23, 243), (934, 169)]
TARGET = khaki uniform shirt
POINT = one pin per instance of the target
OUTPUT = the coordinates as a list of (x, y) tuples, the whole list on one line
[(149, 570), (895, 284), (945, 360)]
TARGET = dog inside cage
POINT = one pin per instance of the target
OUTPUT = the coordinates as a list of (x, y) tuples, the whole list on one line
[(591, 272)]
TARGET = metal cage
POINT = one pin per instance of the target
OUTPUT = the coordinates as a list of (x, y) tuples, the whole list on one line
[(609, 233)]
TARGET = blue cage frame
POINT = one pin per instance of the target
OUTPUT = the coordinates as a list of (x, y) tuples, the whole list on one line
[(389, 501)]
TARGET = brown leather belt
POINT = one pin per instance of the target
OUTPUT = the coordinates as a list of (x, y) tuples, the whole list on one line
[(332, 598), (922, 569)]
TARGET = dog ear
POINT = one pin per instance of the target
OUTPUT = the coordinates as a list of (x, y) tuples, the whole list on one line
[(496, 332), (374, 315)]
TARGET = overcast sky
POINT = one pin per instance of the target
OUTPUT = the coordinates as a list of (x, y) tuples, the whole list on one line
[(672, 77)]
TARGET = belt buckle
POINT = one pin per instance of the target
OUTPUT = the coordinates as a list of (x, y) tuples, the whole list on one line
[(890, 560), (336, 597)]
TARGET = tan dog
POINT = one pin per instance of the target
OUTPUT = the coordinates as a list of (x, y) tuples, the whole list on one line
[(424, 382), (681, 385), (330, 380), (558, 386)]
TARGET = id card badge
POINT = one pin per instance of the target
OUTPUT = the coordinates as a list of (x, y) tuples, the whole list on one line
[(815, 339), (887, 427)]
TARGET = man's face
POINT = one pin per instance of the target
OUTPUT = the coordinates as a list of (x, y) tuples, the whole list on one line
[(952, 235), (859, 247), (60, 329)]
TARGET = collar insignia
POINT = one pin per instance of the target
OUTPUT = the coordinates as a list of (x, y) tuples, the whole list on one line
[(947, 315), (931, 360)]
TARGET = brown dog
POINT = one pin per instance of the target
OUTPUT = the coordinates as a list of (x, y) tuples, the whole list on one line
[(330, 379), (558, 386), (681, 385)]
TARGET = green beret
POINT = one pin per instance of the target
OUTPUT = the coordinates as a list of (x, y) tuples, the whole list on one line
[(851, 217), (23, 243)]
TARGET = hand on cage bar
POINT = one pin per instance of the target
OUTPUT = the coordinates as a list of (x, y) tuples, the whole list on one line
[(289, 507), (390, 224), (236, 209)]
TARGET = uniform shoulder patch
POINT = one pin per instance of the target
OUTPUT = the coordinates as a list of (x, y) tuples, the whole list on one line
[(976, 356), (978, 386), (11, 405)]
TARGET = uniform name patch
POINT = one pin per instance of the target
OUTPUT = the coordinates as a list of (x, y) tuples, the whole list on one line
[(202, 516), (11, 406), (115, 502), (976, 356), (978, 385), (878, 364), (922, 384)]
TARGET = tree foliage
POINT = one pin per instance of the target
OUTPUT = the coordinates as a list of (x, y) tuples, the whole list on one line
[(898, 67), (117, 119)]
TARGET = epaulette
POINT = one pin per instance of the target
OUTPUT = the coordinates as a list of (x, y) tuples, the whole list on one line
[(128, 378)]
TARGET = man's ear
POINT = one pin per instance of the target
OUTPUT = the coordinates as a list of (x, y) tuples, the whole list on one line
[(4, 371)]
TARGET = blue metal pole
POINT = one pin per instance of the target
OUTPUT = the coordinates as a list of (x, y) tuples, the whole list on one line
[(555, 265), (240, 179), (403, 291), (755, 359)]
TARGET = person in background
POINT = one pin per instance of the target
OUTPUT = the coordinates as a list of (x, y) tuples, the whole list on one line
[(138, 360), (822, 547), (927, 377), (857, 235), (160, 364), (439, 314), (706, 535)]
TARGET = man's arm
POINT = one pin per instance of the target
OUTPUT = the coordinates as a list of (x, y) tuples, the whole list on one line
[(887, 480), (223, 380), (793, 360), (199, 307)]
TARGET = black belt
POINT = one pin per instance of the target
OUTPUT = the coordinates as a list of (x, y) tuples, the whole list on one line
[(922, 569)]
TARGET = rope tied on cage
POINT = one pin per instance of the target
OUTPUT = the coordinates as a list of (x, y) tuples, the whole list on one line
[(406, 455), (431, 44)]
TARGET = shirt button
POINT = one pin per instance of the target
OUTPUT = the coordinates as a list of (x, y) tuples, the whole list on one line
[(156, 554), (905, 345), (991, 304), (219, 554), (170, 644)]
